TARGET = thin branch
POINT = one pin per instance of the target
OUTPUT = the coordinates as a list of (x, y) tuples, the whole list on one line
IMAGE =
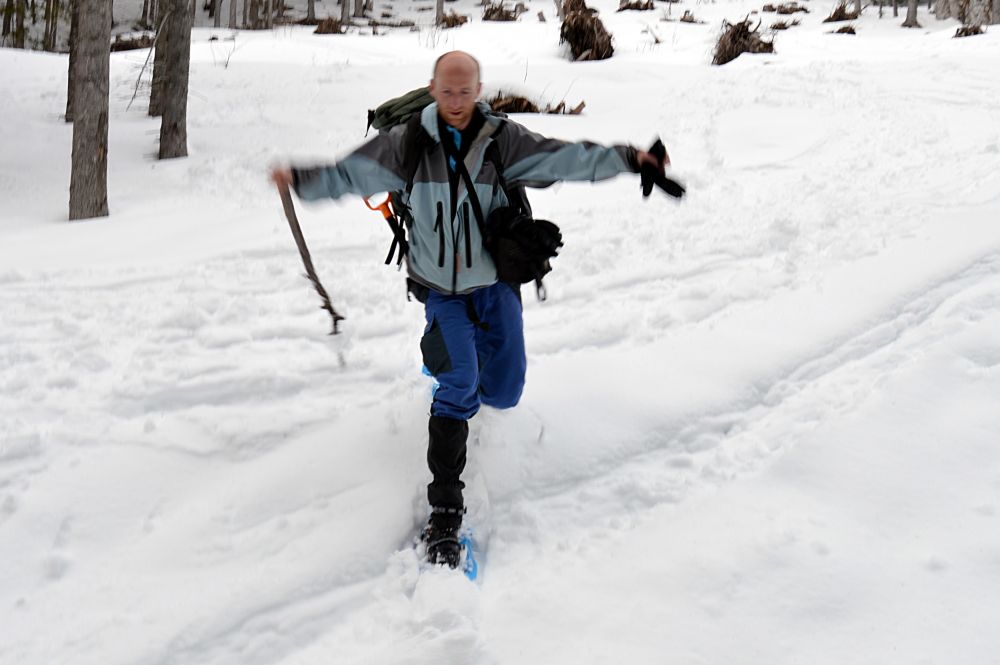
[(148, 56)]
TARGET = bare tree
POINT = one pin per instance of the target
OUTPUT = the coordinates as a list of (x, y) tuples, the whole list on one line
[(978, 13), (911, 15), (269, 18), (52, 9), (21, 9), (163, 11), (995, 12), (217, 13), (8, 15), (71, 86), (177, 63), (359, 8), (857, 7), (345, 12), (88, 188), (232, 14), (311, 10), (439, 12)]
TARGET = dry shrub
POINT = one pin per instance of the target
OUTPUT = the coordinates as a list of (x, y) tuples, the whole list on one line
[(841, 14), (846, 30), (786, 8), (498, 13), (570, 6), (969, 31), (636, 5), (505, 103), (739, 38), (587, 37), (330, 26), (453, 20), (131, 43), (688, 17), (784, 25)]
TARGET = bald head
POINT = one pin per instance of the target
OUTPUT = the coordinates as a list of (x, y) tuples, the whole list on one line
[(457, 61), (456, 87)]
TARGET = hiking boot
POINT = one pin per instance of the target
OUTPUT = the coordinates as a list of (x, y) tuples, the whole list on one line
[(440, 536)]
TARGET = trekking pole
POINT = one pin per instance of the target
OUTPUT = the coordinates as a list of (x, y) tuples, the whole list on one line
[(293, 222)]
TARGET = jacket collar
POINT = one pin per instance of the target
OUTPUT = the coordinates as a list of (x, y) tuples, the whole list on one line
[(428, 120)]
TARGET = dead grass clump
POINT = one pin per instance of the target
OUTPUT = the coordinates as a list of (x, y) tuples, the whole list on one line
[(587, 37), (739, 38), (636, 5), (845, 30), (132, 43), (330, 26), (969, 31), (498, 13), (841, 14), (505, 103), (688, 17), (453, 20), (570, 6), (785, 25), (785, 9)]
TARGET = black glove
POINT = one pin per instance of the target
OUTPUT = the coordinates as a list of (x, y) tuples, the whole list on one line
[(651, 174)]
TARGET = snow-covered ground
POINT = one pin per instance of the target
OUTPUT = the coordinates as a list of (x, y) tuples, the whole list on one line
[(760, 426)]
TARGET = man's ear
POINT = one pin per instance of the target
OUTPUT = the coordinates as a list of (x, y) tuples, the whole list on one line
[(479, 89), (432, 90)]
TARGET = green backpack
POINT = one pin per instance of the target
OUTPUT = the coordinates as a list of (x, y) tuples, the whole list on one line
[(398, 110)]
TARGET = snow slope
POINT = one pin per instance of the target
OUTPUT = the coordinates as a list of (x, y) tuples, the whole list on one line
[(760, 426)]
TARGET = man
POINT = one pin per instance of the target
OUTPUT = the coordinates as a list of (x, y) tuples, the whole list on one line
[(474, 340)]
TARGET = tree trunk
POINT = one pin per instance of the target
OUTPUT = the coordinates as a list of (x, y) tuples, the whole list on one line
[(144, 17), (857, 7), (217, 11), (53, 34), (74, 30), (911, 15), (177, 61), (311, 10), (345, 12), (8, 14), (194, 8), (439, 12), (246, 4), (88, 188), (19, 32), (895, 8), (978, 13), (359, 8), (995, 13), (232, 14), (159, 54), (269, 17)]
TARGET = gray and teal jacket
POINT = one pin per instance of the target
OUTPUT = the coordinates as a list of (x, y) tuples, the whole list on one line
[(439, 255)]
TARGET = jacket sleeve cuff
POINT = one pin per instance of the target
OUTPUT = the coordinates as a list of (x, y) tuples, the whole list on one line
[(631, 158)]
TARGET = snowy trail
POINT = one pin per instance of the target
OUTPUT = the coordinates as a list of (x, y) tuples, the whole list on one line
[(189, 458)]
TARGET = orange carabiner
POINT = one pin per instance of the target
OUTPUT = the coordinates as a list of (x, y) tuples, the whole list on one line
[(383, 207)]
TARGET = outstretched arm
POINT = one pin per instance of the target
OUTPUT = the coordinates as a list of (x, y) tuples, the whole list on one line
[(374, 167), (538, 161)]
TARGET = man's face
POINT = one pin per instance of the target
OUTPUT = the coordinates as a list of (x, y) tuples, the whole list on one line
[(456, 88)]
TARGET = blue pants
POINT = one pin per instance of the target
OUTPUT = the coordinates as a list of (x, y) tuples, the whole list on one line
[(474, 346)]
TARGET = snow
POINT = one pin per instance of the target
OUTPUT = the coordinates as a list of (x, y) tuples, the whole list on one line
[(760, 426)]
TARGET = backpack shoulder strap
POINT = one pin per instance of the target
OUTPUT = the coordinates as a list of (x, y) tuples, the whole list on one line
[(516, 195), (415, 142)]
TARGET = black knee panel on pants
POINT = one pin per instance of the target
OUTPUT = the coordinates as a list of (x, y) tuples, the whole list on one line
[(446, 459)]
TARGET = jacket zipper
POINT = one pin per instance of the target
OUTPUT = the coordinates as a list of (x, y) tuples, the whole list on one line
[(439, 227)]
